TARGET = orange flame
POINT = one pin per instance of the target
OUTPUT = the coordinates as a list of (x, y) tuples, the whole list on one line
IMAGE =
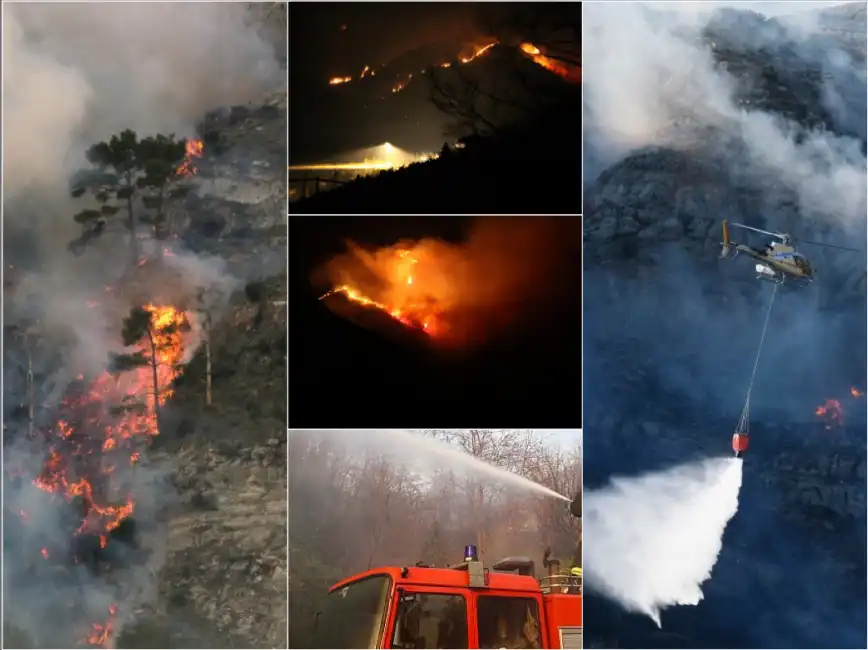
[(407, 303), (194, 149), (336, 81), (570, 73), (478, 51), (832, 411), (100, 634), (91, 433)]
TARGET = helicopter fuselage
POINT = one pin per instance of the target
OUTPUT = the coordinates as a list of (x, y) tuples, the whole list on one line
[(777, 265)]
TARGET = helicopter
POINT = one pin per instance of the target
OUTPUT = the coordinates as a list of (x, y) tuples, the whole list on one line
[(778, 261)]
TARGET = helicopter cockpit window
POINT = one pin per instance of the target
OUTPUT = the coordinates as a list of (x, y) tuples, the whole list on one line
[(508, 622), (430, 621)]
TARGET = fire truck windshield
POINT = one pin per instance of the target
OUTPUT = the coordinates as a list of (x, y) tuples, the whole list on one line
[(427, 620), (353, 615)]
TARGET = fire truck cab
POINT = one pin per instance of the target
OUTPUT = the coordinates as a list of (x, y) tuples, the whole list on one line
[(464, 606)]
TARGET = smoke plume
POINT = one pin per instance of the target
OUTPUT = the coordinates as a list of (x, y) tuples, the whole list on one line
[(648, 71), (75, 74)]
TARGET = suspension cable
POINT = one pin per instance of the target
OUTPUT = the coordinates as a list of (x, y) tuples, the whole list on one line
[(744, 421)]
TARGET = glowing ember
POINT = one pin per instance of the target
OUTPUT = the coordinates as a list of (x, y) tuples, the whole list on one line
[(194, 149), (367, 71), (398, 87), (336, 81)]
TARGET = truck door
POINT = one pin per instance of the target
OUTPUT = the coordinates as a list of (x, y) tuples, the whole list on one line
[(429, 617), (509, 622)]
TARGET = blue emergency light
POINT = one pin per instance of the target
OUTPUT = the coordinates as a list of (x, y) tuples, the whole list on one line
[(470, 554)]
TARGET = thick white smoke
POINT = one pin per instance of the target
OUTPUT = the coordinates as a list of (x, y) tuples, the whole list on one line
[(646, 70), (75, 73), (651, 541)]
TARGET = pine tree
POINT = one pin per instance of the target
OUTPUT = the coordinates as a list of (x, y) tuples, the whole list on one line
[(125, 172), (139, 328)]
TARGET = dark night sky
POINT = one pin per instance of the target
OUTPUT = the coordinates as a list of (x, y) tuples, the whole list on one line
[(376, 33)]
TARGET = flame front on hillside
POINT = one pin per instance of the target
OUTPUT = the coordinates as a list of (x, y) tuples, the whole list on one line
[(106, 424), (194, 149)]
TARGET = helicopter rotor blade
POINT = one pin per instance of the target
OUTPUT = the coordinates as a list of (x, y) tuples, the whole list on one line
[(764, 232), (819, 243)]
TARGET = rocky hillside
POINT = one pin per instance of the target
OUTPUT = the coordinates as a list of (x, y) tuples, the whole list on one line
[(671, 334), (226, 545), (217, 537)]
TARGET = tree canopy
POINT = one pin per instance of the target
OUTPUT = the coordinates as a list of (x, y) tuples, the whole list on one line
[(131, 181)]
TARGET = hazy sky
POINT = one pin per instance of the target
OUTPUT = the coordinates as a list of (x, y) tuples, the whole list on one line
[(561, 437)]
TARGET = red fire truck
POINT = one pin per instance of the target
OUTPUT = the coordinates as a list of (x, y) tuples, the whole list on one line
[(463, 606)]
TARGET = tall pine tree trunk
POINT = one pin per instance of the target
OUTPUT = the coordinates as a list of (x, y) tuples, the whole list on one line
[(132, 222), (31, 390), (208, 397), (156, 379)]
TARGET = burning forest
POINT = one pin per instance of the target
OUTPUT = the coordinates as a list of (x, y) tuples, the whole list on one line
[(486, 91), (428, 311), (101, 432), (565, 69), (128, 291), (454, 293)]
